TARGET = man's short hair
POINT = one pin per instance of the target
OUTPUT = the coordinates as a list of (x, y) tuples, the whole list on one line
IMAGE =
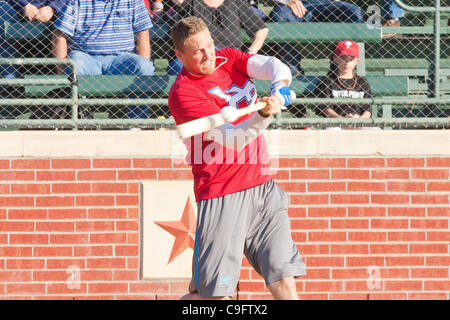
[(185, 28)]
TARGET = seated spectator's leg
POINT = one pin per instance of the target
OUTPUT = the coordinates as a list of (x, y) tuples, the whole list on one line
[(86, 64), (391, 10), (282, 13), (337, 11), (131, 64), (351, 12), (391, 13)]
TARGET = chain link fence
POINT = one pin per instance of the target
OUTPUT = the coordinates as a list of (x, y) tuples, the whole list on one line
[(404, 56)]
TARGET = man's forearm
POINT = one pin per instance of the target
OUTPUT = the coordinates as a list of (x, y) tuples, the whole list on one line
[(143, 44), (59, 44), (59, 48), (331, 113), (366, 114), (258, 41)]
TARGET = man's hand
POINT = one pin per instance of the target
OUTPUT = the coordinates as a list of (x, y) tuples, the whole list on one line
[(273, 106), (45, 14), (297, 8), (30, 11)]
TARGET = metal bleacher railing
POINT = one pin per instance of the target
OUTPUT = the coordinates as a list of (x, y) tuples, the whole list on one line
[(407, 66)]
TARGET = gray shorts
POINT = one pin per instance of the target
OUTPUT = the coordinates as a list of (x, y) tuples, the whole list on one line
[(254, 222)]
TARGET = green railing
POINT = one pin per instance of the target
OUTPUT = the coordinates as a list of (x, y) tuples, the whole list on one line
[(435, 67), (433, 101)]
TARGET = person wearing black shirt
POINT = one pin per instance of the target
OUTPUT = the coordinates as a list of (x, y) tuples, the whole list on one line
[(356, 87), (343, 83), (225, 18)]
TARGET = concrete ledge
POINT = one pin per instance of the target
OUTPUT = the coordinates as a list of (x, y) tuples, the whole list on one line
[(165, 143)]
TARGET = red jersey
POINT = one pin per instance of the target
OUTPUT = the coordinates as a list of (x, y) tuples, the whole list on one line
[(219, 170)]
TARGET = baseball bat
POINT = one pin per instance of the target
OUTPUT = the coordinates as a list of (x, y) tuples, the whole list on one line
[(191, 128)]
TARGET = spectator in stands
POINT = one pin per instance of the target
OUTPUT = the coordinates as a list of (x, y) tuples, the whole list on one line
[(311, 11), (224, 18), (343, 83), (40, 11), (101, 39), (37, 10), (391, 13), (316, 11)]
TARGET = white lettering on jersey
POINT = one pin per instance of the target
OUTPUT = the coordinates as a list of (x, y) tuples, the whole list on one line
[(348, 94), (235, 94)]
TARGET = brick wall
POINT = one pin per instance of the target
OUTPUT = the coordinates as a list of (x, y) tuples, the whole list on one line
[(368, 227)]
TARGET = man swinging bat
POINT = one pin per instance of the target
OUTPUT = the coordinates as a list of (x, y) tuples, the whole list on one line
[(240, 207)]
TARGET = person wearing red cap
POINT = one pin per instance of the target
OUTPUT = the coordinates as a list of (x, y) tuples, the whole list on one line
[(310, 11), (343, 83)]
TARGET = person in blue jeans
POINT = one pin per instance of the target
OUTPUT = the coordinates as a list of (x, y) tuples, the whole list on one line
[(106, 38), (311, 11), (37, 10), (20, 10)]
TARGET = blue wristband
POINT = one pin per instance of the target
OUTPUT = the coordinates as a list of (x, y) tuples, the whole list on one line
[(281, 91)]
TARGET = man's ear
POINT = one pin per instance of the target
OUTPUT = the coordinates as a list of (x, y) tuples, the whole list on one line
[(179, 55)]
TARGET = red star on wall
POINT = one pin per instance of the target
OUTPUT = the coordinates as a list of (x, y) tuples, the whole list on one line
[(183, 230)]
